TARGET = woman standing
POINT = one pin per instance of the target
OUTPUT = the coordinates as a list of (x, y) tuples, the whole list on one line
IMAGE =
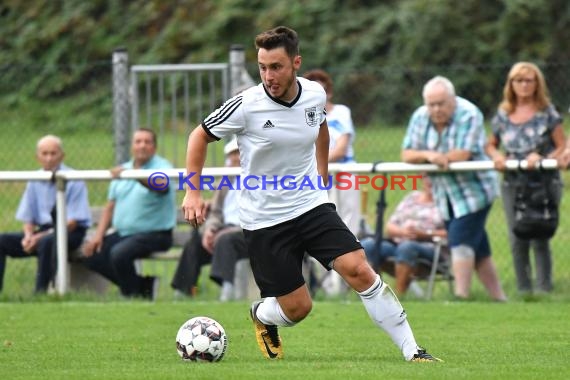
[(529, 128)]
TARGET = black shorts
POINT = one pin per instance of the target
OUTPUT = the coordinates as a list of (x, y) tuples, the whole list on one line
[(276, 252)]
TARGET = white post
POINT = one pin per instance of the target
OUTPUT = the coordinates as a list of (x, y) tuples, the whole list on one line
[(62, 278)]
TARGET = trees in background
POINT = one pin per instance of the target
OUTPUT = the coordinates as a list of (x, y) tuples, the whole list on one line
[(380, 53)]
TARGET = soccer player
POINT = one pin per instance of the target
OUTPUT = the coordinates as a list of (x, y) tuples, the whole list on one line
[(282, 131)]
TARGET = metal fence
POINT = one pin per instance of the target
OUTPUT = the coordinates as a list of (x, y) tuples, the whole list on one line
[(88, 123)]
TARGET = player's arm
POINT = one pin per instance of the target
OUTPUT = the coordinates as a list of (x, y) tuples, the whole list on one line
[(193, 205), (322, 151)]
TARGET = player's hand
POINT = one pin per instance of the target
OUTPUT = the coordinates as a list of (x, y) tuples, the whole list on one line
[(194, 208)]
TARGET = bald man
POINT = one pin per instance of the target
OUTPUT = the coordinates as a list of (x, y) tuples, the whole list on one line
[(35, 212)]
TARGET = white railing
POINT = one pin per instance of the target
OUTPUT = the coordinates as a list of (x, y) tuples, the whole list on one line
[(61, 177)]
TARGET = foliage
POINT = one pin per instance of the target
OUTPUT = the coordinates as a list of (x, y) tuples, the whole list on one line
[(379, 52)]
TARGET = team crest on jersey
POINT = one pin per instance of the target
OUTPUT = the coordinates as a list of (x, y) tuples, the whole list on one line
[(311, 116)]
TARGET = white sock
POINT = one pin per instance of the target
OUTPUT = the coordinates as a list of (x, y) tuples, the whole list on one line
[(269, 312), (385, 310)]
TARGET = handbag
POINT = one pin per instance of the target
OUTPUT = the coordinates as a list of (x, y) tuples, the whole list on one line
[(536, 205)]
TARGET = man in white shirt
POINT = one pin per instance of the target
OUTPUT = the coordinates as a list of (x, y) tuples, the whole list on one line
[(283, 140)]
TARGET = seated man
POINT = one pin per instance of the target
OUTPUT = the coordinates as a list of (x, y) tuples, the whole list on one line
[(36, 211), (410, 235), (142, 216), (219, 242)]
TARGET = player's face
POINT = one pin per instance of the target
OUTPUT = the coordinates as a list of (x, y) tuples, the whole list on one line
[(143, 147), (49, 155), (440, 104), (278, 72)]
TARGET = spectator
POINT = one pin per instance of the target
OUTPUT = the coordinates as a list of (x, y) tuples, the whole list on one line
[(37, 212), (220, 241), (410, 233), (142, 216), (529, 128), (342, 134), (449, 128), (282, 132)]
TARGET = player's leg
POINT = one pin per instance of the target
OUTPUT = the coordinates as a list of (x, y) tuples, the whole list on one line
[(276, 256), (381, 304), (332, 244)]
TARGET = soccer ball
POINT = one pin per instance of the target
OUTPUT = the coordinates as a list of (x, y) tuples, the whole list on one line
[(201, 339)]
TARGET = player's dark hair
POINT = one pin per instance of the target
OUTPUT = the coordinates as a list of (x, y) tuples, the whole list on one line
[(280, 36)]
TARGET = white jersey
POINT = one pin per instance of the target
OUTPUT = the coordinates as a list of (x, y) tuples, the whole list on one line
[(276, 141), (340, 123)]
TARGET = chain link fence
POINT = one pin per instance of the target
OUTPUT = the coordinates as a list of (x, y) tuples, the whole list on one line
[(381, 101)]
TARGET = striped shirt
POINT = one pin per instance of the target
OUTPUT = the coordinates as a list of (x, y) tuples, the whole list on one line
[(466, 192)]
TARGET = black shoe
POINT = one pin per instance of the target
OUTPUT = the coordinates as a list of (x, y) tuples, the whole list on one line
[(267, 336), (423, 356), (150, 287)]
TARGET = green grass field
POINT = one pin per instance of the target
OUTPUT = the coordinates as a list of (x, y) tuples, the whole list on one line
[(83, 336), (135, 340)]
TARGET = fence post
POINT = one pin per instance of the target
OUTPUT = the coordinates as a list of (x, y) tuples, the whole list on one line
[(121, 104), (62, 278), (239, 77)]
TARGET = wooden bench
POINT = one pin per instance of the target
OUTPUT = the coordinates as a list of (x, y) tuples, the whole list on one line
[(82, 278)]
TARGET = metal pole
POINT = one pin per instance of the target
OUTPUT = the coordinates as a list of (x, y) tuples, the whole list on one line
[(239, 77), (121, 104), (62, 278)]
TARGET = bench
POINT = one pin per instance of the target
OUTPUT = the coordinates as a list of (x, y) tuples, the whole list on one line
[(82, 278)]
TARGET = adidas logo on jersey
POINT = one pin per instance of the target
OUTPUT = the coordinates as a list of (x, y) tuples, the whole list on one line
[(268, 124)]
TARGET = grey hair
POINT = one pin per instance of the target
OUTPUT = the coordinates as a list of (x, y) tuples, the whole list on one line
[(53, 138), (439, 80)]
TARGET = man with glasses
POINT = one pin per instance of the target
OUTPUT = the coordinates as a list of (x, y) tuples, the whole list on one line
[(449, 128)]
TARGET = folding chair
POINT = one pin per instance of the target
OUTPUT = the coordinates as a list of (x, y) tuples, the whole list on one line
[(430, 271), (437, 270)]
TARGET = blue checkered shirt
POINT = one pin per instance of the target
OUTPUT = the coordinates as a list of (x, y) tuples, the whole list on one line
[(466, 192)]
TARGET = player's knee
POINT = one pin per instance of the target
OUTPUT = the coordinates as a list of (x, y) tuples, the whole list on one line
[(353, 265), (299, 310)]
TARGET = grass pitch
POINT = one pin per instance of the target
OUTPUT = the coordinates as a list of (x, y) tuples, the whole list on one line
[(135, 340)]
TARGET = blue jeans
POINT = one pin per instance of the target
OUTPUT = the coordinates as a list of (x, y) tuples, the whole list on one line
[(406, 252), (470, 230), (376, 255), (116, 260)]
